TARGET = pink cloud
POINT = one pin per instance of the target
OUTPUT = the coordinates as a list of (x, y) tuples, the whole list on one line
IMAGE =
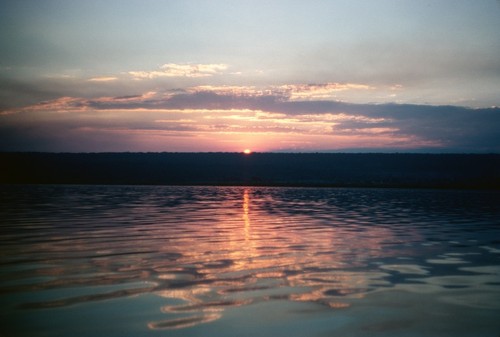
[(236, 114)]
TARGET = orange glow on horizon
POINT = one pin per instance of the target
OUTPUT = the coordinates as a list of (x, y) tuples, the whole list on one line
[(247, 151)]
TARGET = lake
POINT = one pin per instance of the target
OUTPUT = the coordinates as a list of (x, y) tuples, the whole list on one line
[(248, 261)]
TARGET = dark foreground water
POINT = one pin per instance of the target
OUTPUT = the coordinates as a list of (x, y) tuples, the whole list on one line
[(235, 261)]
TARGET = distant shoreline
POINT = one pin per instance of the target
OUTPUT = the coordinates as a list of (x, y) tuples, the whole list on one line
[(373, 170)]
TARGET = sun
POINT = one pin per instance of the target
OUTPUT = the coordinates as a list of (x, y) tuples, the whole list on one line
[(247, 151)]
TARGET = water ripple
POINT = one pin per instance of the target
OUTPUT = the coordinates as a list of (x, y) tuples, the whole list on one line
[(213, 249)]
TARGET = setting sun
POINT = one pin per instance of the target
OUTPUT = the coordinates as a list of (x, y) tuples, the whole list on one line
[(247, 151)]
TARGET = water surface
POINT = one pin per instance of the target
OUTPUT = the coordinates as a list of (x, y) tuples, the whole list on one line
[(236, 261)]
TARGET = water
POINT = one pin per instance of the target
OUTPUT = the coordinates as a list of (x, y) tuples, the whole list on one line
[(236, 261)]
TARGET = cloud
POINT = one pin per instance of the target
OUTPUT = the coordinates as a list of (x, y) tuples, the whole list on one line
[(181, 70), (319, 91), (103, 79), (230, 90), (239, 111), (294, 92)]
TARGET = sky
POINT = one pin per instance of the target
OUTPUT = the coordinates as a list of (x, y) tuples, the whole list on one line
[(271, 76)]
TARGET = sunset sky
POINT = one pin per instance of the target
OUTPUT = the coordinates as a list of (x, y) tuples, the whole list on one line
[(292, 76)]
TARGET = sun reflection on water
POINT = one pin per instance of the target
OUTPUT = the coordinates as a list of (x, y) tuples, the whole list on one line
[(246, 209), (272, 258)]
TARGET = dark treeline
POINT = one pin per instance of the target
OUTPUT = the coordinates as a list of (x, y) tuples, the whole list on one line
[(268, 169)]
